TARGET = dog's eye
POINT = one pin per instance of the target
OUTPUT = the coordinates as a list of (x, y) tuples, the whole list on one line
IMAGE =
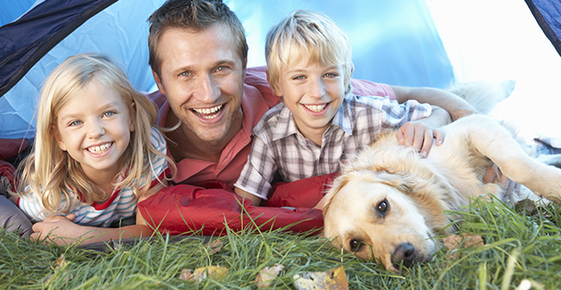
[(383, 206), (355, 245)]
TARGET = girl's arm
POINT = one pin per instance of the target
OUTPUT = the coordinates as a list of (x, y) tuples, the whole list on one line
[(63, 231)]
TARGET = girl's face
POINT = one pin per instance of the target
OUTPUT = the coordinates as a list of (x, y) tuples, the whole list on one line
[(95, 129)]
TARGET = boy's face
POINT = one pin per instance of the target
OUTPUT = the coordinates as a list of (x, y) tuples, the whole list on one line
[(313, 93)]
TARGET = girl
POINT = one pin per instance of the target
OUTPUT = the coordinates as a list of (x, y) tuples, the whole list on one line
[(96, 154)]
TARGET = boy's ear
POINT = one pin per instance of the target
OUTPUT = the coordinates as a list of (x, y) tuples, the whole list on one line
[(54, 132), (275, 88), (132, 116)]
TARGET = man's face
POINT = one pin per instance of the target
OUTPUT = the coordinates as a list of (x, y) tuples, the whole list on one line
[(201, 75)]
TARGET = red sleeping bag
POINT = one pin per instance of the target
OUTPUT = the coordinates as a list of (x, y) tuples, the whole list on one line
[(210, 206)]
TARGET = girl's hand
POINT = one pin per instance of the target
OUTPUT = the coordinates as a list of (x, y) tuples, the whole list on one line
[(419, 136), (59, 229)]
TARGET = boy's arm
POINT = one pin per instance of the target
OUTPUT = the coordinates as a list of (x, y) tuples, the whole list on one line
[(419, 134), (255, 200), (453, 104)]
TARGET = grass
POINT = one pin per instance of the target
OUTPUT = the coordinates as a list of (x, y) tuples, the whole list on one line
[(516, 248)]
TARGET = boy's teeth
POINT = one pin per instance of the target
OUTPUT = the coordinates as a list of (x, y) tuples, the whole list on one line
[(316, 108), (206, 112), (99, 149)]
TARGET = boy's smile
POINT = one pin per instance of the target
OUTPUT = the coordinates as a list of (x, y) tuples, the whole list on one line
[(313, 93)]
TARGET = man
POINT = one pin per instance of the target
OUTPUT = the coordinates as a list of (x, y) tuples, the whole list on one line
[(198, 54), (211, 102)]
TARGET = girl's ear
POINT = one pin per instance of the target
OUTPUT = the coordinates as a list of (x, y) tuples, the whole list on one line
[(276, 90), (55, 133), (132, 116)]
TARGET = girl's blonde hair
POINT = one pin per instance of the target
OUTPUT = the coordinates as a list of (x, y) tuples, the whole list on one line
[(305, 33), (50, 171)]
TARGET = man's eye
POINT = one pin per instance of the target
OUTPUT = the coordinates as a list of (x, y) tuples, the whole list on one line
[(185, 74), (221, 68)]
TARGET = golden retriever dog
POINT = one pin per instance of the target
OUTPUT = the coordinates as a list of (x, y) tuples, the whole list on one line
[(388, 203)]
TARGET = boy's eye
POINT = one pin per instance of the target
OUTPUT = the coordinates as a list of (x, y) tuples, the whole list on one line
[(108, 114), (330, 75), (298, 78)]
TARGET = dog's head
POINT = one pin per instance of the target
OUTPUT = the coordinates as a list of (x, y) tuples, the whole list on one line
[(386, 217)]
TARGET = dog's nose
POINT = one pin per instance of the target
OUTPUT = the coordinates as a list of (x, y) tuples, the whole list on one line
[(405, 255)]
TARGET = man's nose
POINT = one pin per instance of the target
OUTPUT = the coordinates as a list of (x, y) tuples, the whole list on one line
[(207, 90)]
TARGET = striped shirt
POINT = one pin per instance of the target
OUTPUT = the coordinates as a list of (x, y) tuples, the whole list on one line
[(121, 204), (280, 151)]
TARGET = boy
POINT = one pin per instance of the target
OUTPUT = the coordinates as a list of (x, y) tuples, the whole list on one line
[(319, 121)]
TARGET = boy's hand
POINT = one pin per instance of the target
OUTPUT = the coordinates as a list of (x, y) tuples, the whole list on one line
[(419, 136)]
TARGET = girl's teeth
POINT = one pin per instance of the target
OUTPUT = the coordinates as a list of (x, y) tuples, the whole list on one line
[(99, 149), (316, 108)]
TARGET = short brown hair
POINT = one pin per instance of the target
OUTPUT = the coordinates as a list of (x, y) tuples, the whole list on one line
[(195, 15)]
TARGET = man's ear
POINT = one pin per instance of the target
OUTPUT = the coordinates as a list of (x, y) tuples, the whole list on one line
[(54, 131), (158, 82), (275, 88), (132, 116)]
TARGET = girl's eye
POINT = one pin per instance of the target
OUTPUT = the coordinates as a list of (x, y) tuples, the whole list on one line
[(74, 123)]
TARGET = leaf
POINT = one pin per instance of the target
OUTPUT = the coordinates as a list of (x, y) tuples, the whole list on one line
[(334, 279), (213, 272), (267, 275), (60, 262), (455, 242), (215, 247)]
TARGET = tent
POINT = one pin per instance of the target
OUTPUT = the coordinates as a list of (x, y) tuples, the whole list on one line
[(420, 43)]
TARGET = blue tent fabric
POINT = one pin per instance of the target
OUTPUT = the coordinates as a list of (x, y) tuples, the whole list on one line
[(392, 43), (50, 22), (548, 16)]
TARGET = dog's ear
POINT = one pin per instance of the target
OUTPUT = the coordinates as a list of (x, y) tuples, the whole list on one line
[(338, 183)]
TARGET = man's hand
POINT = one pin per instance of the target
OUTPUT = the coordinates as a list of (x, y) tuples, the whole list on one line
[(59, 229), (419, 136)]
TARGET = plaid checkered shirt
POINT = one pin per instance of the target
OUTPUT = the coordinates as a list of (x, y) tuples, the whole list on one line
[(280, 152)]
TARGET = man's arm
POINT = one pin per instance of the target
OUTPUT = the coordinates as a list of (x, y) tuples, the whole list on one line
[(453, 104)]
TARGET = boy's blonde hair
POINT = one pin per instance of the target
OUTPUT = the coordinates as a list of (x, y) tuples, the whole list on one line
[(305, 33), (50, 171)]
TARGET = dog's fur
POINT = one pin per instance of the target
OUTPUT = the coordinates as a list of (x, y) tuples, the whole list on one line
[(388, 202)]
